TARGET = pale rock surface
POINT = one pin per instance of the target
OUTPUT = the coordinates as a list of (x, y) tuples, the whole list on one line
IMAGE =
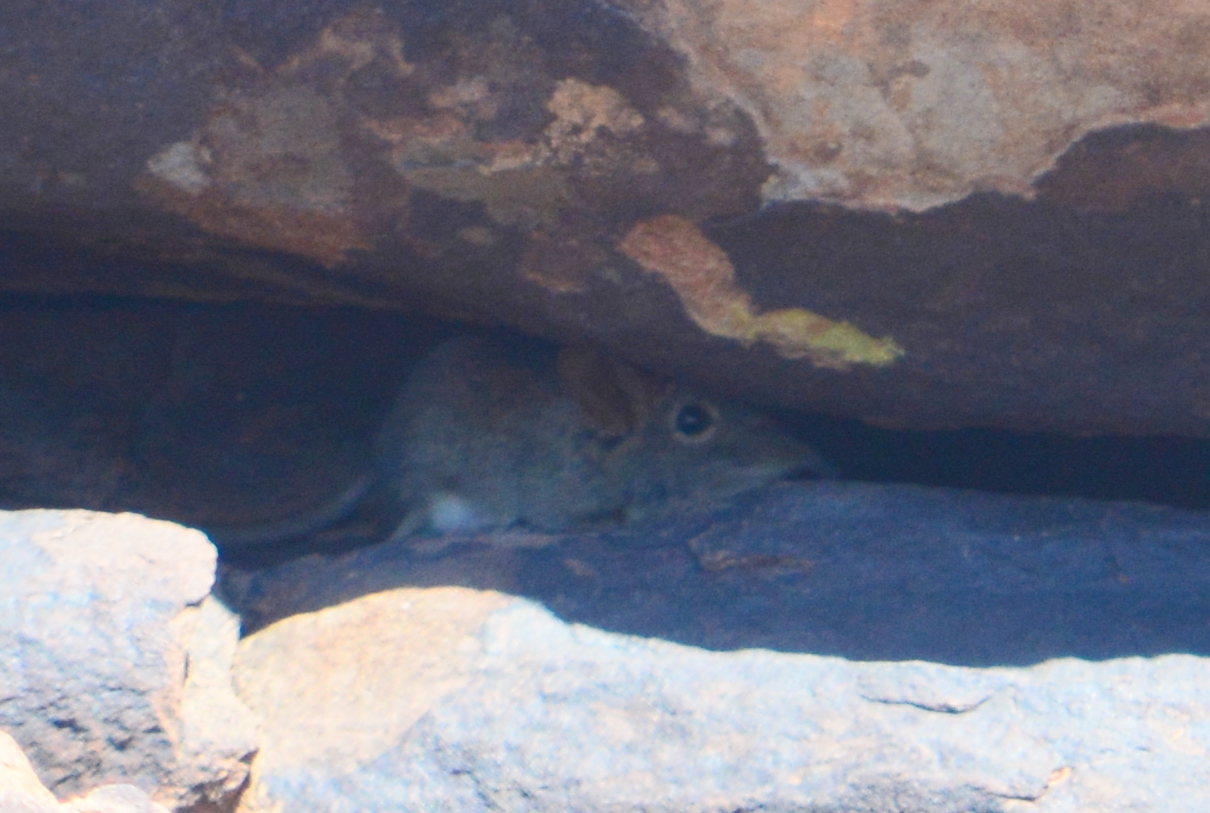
[(453, 699), (21, 792), (115, 663), (878, 103), (113, 799)]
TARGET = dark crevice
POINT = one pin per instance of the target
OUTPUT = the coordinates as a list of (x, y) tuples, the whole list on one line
[(220, 401), (1163, 470)]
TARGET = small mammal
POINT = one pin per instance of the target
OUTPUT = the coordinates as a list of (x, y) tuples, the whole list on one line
[(516, 434)]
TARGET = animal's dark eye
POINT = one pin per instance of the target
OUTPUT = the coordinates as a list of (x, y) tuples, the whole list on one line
[(694, 421)]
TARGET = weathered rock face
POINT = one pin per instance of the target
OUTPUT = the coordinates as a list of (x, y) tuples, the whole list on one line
[(853, 570), (526, 713), (115, 667), (20, 789), (878, 104), (21, 792), (382, 684), (822, 604), (585, 170), (479, 703)]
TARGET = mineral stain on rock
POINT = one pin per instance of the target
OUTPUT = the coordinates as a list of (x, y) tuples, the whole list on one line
[(486, 161), (275, 165), (885, 105), (704, 278), (325, 153)]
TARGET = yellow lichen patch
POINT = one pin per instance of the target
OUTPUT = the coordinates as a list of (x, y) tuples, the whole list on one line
[(829, 343), (704, 278)]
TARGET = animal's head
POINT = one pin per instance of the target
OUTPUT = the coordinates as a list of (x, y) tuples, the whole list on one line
[(669, 445)]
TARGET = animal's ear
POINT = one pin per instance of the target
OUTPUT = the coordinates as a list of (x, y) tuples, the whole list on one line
[(615, 397)]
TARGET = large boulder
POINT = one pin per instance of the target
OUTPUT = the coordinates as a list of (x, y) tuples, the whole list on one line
[(448, 699), (830, 646), (918, 216), (115, 664), (21, 792)]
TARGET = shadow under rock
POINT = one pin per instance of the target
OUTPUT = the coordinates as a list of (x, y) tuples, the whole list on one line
[(859, 570)]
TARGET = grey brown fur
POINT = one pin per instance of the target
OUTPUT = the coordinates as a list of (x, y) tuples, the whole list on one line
[(489, 434)]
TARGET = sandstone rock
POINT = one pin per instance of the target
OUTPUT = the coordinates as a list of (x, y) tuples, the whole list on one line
[(1063, 623), (113, 799), (1044, 163), (20, 789), (519, 711), (880, 104), (857, 570), (336, 688), (21, 792), (115, 662)]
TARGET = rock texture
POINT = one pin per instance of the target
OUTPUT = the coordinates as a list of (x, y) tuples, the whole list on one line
[(856, 570), (1068, 640), (565, 167), (115, 666), (21, 792), (876, 103), (516, 710), (771, 655)]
